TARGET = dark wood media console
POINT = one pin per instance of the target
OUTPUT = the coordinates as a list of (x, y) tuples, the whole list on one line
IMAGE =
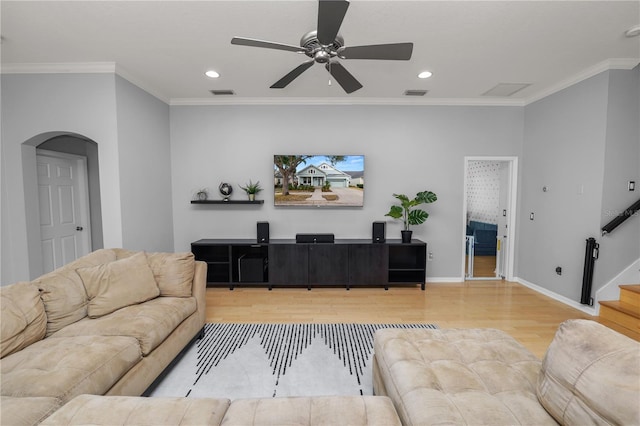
[(240, 262)]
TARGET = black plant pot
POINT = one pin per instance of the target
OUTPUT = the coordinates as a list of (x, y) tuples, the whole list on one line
[(406, 236)]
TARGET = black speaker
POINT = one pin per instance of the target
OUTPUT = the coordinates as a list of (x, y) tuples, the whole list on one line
[(377, 233), (314, 238), (263, 232)]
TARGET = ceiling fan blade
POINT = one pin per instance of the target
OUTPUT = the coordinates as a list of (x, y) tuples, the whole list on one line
[(330, 16), (284, 81), (393, 51), (242, 41), (343, 77)]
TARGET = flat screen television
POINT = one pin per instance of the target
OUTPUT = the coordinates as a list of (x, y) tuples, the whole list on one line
[(318, 180)]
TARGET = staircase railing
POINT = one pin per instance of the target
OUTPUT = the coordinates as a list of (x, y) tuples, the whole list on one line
[(593, 248), (619, 219)]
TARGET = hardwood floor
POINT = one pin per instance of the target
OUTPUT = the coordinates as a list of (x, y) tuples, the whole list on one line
[(528, 316), (483, 266)]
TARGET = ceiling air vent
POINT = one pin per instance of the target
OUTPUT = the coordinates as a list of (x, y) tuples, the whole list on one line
[(506, 89), (415, 92), (222, 92)]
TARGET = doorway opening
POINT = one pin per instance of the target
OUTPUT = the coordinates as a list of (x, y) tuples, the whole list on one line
[(490, 185), (62, 195)]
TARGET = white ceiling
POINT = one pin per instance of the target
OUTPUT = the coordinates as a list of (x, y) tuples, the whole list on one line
[(470, 46)]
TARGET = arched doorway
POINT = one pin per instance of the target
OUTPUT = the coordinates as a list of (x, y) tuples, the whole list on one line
[(49, 162)]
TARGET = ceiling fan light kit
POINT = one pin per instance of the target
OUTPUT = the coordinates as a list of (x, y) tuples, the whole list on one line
[(324, 46)]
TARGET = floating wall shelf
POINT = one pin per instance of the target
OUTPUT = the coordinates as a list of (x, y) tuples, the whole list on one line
[(227, 202)]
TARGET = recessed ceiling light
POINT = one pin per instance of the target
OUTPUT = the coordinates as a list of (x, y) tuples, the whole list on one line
[(633, 31), (425, 74), (212, 74)]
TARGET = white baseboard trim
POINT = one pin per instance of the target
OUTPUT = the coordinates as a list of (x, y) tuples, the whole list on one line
[(590, 310), (444, 280)]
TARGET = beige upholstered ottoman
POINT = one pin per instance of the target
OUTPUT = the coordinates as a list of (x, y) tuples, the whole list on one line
[(458, 376), (26, 410), (130, 410), (316, 411)]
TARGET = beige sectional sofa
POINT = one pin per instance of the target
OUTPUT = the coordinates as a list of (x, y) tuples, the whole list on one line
[(590, 374), (107, 324)]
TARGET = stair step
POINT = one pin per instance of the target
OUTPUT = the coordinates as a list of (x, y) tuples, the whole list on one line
[(630, 294), (622, 313), (635, 335)]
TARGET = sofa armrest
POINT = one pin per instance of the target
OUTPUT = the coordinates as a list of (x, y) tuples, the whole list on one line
[(591, 375), (199, 289)]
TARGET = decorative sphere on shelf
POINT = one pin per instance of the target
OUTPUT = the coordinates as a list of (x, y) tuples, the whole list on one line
[(225, 190)]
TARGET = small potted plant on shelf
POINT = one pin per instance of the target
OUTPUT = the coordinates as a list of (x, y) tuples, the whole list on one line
[(252, 189), (408, 213)]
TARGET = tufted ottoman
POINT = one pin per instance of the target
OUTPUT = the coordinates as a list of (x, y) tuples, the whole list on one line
[(312, 411), (139, 411), (458, 376), (299, 411)]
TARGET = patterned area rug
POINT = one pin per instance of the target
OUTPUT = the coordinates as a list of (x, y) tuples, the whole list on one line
[(268, 360)]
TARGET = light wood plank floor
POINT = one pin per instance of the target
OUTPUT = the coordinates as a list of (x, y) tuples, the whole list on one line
[(528, 316)]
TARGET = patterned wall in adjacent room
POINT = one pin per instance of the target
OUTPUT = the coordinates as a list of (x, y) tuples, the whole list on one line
[(483, 191)]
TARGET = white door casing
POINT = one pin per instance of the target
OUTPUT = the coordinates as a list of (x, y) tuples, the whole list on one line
[(508, 202), (64, 208)]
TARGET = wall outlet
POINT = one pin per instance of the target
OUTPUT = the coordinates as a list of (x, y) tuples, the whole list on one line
[(430, 256)]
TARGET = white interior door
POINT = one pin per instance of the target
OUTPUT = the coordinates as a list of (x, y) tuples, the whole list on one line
[(64, 209)]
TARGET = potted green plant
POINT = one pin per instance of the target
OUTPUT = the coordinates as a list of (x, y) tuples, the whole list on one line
[(252, 189), (408, 213)]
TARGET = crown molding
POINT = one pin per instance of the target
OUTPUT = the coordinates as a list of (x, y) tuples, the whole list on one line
[(113, 68), (60, 68), (609, 64), (83, 68), (231, 100)]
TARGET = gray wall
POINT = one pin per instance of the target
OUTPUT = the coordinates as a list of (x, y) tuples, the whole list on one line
[(583, 139), (145, 169), (407, 149), (574, 142), (621, 165), (38, 107)]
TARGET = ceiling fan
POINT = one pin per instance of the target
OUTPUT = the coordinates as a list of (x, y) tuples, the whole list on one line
[(325, 44)]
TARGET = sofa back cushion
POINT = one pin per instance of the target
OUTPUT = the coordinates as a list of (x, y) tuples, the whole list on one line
[(23, 317), (591, 375), (63, 293), (121, 283), (173, 271)]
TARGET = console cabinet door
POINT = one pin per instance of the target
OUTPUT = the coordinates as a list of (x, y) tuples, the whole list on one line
[(328, 264), (368, 264), (288, 264)]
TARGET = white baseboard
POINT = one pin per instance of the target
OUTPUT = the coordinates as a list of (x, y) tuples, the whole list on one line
[(444, 280), (590, 310)]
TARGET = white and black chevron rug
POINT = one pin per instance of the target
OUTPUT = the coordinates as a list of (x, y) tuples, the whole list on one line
[(268, 360)]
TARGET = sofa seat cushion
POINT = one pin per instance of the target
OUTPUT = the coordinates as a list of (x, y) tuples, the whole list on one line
[(63, 293), (68, 366), (139, 411), (308, 411), (466, 376), (26, 411), (591, 375), (23, 319), (150, 322)]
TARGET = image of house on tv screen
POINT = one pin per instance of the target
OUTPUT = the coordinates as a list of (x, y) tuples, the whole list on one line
[(319, 180)]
